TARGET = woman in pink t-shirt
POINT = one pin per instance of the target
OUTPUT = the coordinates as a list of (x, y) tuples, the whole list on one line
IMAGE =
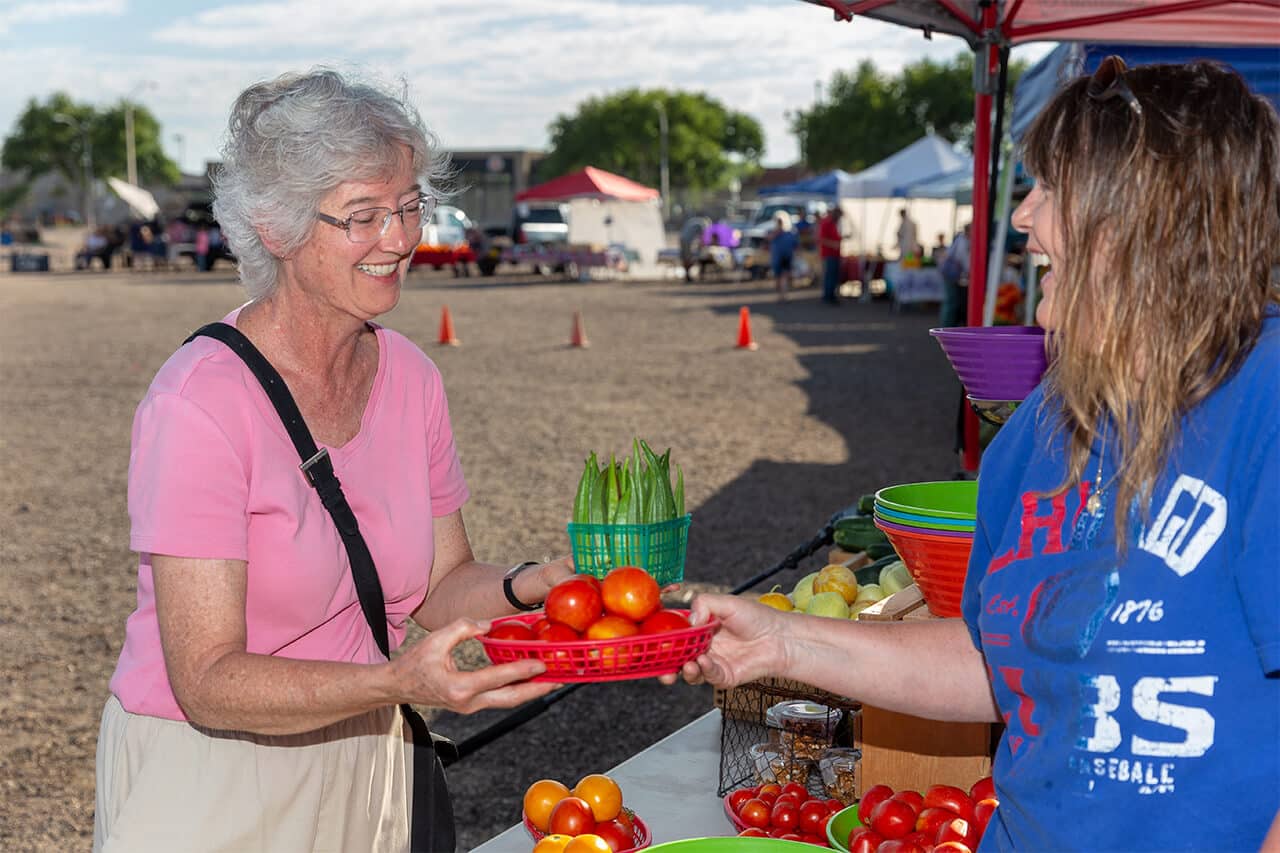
[(251, 708)]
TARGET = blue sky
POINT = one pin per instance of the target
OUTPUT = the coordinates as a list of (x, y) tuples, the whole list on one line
[(484, 74)]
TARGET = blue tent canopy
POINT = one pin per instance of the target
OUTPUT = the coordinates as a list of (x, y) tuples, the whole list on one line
[(1260, 67), (827, 185)]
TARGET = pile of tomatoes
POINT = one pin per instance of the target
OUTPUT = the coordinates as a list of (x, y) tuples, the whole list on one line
[(627, 602), (786, 811), (945, 819), (588, 818)]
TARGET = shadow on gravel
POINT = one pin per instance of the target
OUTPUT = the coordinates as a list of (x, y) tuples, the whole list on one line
[(883, 388)]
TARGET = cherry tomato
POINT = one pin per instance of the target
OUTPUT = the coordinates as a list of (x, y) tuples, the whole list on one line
[(932, 817), (864, 839), (784, 815), (982, 812), (552, 844), (617, 835), (572, 816), (960, 830), (538, 624), (602, 794), (540, 798), (872, 797), (788, 797), (510, 630), (949, 797), (893, 818), (796, 788), (816, 840), (753, 832), (663, 621), (900, 845), (814, 817), (951, 847), (737, 798), (983, 789), (834, 805), (574, 602), (630, 592), (755, 812), (588, 842), (627, 818), (914, 799), (769, 792), (790, 836)]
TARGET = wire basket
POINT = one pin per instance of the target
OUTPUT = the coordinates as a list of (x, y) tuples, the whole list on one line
[(657, 548), (616, 659)]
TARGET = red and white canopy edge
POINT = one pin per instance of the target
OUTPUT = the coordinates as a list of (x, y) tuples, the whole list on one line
[(991, 27)]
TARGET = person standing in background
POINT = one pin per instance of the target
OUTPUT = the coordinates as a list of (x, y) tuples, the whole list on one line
[(906, 235), (829, 239), (782, 249), (955, 279)]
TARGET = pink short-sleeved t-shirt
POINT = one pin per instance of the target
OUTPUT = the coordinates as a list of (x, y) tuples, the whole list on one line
[(213, 475)]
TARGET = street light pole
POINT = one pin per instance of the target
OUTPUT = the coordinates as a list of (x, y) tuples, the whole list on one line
[(663, 165), (86, 164), (130, 152)]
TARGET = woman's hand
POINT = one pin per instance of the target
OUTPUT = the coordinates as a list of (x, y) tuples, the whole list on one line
[(426, 674), (533, 584), (750, 644)]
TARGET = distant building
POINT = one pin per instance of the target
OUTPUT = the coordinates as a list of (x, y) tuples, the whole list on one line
[(487, 182)]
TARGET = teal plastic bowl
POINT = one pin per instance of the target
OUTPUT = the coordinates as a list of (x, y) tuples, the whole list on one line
[(913, 519), (955, 499), (841, 824), (734, 844)]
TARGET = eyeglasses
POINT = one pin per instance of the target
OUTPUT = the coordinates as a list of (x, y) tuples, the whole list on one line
[(1108, 82), (371, 223)]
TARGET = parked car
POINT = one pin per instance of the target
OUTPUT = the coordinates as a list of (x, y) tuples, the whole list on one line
[(446, 239), (541, 223)]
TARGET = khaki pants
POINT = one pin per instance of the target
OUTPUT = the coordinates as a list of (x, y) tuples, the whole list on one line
[(164, 785)]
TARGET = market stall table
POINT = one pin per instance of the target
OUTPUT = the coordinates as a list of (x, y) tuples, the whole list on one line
[(670, 785), (918, 284)]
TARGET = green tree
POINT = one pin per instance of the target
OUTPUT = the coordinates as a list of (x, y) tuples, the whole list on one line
[(707, 144), (52, 136), (870, 115)]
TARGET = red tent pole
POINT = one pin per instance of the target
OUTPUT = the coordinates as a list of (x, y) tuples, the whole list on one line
[(988, 53)]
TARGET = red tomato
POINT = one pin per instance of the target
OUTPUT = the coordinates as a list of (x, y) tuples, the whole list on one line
[(816, 840), (611, 627), (960, 830), (932, 818), (785, 814), (574, 602), (554, 632), (753, 832), (900, 845), (572, 816), (796, 788), (755, 812), (627, 819), (617, 836), (834, 805), (631, 593), (893, 818), (983, 789), (864, 839), (814, 817), (538, 624), (769, 792), (982, 812), (872, 797), (912, 798), (737, 798), (920, 839), (951, 847), (790, 836), (949, 797), (510, 630)]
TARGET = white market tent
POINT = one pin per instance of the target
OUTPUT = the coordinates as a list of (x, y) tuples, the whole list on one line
[(928, 158)]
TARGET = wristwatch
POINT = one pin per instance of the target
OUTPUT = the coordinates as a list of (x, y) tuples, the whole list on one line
[(508, 588)]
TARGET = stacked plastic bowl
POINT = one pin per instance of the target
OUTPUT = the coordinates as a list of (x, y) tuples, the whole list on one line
[(996, 364), (931, 525)]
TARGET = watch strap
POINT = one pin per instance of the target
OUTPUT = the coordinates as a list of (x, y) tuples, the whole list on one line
[(508, 586)]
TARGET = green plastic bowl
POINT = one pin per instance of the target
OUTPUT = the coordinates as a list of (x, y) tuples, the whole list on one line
[(733, 844), (956, 499), (841, 824)]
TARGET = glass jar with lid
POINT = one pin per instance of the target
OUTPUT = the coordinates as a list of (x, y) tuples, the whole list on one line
[(802, 728)]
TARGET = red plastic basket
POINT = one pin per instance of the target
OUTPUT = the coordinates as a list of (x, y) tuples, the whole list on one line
[(620, 659), (640, 834), (938, 564)]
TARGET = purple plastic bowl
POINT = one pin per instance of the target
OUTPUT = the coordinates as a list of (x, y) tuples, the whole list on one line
[(995, 362), (881, 521)]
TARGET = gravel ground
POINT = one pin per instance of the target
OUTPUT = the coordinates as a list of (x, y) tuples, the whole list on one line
[(835, 403)]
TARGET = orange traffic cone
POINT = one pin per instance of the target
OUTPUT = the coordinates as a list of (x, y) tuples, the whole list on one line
[(579, 336), (447, 337), (745, 341)]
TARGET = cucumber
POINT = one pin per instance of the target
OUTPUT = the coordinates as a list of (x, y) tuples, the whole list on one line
[(866, 504), (870, 573), (879, 549)]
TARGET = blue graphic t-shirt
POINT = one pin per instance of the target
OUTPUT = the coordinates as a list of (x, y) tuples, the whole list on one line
[(1141, 697)]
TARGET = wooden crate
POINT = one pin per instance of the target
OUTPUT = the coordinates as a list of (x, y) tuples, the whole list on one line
[(903, 751)]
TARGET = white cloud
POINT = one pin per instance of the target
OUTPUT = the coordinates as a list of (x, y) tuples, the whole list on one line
[(18, 14)]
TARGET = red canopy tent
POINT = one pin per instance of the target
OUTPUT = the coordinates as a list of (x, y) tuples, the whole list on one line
[(589, 183), (991, 27)]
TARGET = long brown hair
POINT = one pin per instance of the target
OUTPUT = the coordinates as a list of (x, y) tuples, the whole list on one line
[(1169, 202)]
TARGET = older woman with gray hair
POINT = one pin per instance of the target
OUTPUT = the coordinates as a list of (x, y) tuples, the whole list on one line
[(254, 706)]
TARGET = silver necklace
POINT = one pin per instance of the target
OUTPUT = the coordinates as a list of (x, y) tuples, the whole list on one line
[(1094, 502)]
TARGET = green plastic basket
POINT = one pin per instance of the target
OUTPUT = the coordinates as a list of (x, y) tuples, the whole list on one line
[(658, 548)]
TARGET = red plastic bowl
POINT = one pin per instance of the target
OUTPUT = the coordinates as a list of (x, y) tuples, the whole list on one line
[(620, 659), (641, 836), (938, 564)]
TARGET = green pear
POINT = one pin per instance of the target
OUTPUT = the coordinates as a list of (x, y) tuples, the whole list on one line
[(828, 604), (803, 591)]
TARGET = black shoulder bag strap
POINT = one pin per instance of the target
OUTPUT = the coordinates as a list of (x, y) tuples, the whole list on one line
[(432, 811)]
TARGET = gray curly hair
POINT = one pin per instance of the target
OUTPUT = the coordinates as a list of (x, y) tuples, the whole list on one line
[(293, 140)]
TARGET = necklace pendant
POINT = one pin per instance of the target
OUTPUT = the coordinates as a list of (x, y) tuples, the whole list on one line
[(1094, 503)]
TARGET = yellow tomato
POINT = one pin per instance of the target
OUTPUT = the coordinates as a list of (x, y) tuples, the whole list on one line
[(602, 794), (589, 843), (552, 844), (540, 798)]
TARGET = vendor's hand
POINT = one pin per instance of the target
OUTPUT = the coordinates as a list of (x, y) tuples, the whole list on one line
[(426, 674), (747, 646)]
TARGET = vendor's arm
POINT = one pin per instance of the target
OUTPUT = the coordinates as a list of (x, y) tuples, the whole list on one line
[(927, 668), (462, 585), (200, 606)]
